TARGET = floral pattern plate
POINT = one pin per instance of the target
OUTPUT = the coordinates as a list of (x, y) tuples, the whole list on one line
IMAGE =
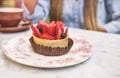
[(20, 50)]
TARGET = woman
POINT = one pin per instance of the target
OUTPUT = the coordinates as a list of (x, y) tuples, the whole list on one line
[(36, 9), (98, 15)]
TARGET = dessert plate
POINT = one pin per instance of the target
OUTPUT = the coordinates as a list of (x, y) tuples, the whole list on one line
[(20, 50), (16, 29)]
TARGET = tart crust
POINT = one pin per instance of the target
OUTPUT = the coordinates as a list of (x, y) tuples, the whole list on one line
[(51, 51)]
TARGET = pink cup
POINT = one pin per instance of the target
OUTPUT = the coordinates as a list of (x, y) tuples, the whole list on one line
[(10, 17)]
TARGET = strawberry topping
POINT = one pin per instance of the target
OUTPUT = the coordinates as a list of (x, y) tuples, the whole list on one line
[(53, 31)]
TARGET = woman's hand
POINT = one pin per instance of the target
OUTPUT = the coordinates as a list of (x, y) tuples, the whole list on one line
[(30, 4), (101, 29), (95, 28)]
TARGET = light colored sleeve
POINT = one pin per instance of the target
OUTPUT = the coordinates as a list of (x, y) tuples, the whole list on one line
[(114, 25), (41, 11)]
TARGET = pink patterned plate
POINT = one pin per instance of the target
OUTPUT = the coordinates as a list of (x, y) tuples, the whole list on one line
[(20, 50)]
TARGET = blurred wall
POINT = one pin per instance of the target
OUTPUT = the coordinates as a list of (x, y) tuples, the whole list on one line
[(10, 3)]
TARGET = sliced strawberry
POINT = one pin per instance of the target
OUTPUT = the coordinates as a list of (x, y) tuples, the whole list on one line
[(52, 29), (44, 28), (62, 26), (42, 22), (52, 23), (58, 34), (38, 26), (57, 25), (47, 36), (35, 31), (66, 31)]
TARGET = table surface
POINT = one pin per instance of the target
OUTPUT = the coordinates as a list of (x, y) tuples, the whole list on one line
[(104, 63)]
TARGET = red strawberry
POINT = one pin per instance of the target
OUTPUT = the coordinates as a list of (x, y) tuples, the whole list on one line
[(47, 36), (52, 29), (38, 26), (35, 31), (43, 28), (62, 26), (58, 34), (66, 31), (52, 23), (42, 22), (57, 25)]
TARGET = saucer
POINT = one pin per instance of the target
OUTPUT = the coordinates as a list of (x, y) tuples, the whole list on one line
[(18, 28)]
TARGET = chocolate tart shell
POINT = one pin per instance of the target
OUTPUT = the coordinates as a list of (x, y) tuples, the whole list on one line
[(49, 51)]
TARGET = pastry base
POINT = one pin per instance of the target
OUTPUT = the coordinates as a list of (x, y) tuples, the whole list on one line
[(48, 51)]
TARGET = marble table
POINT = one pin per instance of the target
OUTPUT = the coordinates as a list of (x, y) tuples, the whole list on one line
[(104, 63)]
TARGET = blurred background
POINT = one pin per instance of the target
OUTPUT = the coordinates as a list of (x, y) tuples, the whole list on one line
[(10, 3)]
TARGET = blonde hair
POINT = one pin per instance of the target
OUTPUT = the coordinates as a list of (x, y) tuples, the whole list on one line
[(90, 12)]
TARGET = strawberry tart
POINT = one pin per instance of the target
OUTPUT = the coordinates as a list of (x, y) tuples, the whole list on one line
[(50, 39)]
